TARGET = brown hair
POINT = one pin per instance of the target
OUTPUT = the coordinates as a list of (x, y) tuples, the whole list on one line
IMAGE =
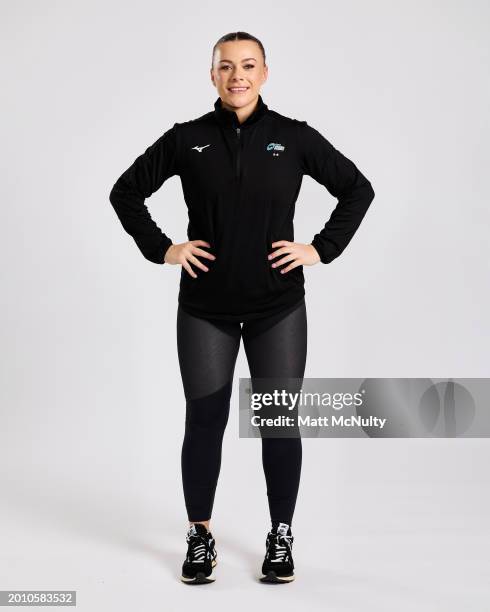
[(237, 36)]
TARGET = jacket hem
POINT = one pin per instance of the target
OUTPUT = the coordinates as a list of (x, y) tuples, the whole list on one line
[(295, 299)]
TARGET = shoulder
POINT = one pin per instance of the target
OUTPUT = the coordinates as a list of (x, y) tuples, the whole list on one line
[(196, 123), (300, 124), (180, 132), (291, 122), (198, 127), (308, 139), (301, 128)]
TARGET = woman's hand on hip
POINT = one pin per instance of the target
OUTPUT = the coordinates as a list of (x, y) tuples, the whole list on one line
[(185, 254), (296, 253)]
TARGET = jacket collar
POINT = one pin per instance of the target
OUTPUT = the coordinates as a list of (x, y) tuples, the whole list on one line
[(229, 118)]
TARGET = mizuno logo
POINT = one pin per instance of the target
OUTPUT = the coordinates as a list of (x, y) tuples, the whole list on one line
[(201, 148)]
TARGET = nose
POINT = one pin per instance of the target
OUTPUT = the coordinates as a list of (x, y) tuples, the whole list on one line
[(237, 76)]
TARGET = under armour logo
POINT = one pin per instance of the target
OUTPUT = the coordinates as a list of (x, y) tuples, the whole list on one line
[(201, 148)]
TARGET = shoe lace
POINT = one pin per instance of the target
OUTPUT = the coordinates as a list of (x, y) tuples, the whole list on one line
[(279, 547), (198, 549)]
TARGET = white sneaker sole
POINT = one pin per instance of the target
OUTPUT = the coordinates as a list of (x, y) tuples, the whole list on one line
[(273, 578)]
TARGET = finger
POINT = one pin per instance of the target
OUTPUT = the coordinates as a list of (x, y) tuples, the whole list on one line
[(281, 243), (197, 263), (275, 254), (284, 260), (200, 243), (189, 269), (198, 251), (295, 264)]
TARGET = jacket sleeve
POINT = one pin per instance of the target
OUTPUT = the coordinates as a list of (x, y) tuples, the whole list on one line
[(147, 174), (343, 180)]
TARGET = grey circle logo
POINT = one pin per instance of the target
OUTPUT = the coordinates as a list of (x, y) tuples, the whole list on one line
[(417, 407)]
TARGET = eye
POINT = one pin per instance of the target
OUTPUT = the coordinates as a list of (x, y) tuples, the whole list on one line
[(225, 67)]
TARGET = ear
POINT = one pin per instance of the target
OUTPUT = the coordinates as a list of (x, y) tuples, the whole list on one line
[(265, 73)]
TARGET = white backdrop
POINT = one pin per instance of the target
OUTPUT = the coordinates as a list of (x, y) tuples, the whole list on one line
[(92, 413)]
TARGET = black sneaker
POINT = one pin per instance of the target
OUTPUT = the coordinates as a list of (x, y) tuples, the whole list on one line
[(278, 564), (201, 556)]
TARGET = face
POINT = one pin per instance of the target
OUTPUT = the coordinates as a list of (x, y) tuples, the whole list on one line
[(238, 72)]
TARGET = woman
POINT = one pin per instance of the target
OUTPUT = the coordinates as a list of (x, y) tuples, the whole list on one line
[(241, 167)]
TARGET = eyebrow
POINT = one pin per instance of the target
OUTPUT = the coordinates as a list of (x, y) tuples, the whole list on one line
[(243, 60)]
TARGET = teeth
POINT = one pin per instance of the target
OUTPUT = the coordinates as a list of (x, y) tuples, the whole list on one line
[(238, 88)]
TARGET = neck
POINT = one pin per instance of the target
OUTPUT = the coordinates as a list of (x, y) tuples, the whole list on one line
[(244, 111)]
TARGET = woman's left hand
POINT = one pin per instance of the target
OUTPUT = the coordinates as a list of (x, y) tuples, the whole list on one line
[(296, 253)]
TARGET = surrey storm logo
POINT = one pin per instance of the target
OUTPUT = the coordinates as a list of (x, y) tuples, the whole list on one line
[(275, 147)]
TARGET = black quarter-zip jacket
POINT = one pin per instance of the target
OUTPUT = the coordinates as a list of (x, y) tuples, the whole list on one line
[(240, 184)]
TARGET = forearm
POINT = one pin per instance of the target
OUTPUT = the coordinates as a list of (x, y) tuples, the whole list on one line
[(135, 218), (344, 221)]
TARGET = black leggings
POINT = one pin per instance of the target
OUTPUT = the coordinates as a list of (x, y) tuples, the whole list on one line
[(275, 346)]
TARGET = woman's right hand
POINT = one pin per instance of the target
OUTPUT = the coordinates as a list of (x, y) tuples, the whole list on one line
[(186, 252)]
